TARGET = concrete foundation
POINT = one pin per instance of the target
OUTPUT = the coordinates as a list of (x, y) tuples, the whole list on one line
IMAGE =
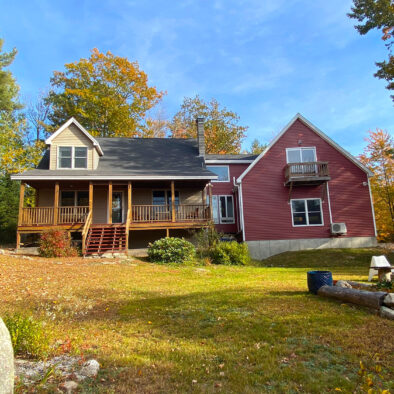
[(261, 250)]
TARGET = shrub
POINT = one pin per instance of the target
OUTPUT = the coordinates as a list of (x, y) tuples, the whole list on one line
[(27, 335), (171, 250), (206, 239), (230, 253), (56, 243)]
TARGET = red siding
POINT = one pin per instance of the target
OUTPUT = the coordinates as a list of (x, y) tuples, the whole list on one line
[(228, 188), (267, 212)]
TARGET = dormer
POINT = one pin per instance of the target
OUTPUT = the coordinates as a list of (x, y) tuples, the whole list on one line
[(71, 147)]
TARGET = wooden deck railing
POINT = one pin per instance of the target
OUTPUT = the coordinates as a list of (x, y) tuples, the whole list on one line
[(68, 215), (310, 170), (41, 216), (162, 213), (37, 216)]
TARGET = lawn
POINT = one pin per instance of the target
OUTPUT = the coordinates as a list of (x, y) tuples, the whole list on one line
[(157, 328)]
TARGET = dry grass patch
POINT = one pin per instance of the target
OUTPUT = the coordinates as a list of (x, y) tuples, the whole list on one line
[(158, 328)]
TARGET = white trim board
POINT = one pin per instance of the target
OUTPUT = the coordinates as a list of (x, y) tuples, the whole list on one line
[(49, 140), (105, 177), (319, 133), (208, 161)]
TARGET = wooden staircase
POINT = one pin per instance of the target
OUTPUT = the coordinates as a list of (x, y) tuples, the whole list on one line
[(106, 239)]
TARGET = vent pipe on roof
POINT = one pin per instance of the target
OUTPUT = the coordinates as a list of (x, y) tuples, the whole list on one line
[(200, 136)]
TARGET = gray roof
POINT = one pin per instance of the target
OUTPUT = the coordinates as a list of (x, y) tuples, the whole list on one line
[(136, 158), (246, 156)]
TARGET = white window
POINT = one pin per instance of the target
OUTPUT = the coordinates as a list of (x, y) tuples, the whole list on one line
[(300, 155), (306, 212), (72, 157), (221, 171), (223, 209)]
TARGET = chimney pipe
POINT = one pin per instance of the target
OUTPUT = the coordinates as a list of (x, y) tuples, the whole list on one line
[(200, 136)]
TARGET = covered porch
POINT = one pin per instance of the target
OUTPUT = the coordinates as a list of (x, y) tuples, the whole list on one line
[(136, 205)]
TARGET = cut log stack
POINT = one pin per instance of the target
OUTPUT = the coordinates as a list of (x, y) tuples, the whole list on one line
[(379, 300)]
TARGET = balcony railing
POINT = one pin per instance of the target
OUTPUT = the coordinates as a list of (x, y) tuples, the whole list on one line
[(307, 172), (163, 213)]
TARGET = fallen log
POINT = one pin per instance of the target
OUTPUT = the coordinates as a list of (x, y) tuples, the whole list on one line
[(372, 299), (365, 286)]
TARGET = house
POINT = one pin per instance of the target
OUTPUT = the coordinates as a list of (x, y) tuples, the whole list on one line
[(304, 191)]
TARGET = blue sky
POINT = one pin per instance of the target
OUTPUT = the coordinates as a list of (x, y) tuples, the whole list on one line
[(265, 60)]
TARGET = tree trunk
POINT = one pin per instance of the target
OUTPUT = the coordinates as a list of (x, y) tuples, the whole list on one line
[(371, 299)]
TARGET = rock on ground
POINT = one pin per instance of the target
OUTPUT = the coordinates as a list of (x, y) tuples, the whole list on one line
[(6, 361), (90, 369), (69, 386), (388, 313), (343, 283), (389, 300)]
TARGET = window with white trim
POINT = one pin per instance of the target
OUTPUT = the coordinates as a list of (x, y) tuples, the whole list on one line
[(306, 212), (223, 209), (72, 157), (300, 155), (222, 172)]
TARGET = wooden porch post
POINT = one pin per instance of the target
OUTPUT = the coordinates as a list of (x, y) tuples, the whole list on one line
[(210, 201), (90, 196), (110, 202), (20, 213), (56, 204), (129, 216), (167, 232), (21, 202), (173, 200)]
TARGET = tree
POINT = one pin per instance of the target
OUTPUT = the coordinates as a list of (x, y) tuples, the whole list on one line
[(108, 94), (256, 147), (377, 156), (156, 125), (377, 14), (223, 134), (37, 115), (17, 152)]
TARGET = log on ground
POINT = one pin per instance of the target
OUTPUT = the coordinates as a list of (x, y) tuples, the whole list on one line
[(371, 299)]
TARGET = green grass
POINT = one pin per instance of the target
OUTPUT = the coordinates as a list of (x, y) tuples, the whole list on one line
[(157, 328)]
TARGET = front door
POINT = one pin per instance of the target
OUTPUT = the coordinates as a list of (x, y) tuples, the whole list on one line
[(117, 207)]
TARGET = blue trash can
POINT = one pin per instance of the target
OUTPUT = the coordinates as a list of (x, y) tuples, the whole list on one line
[(317, 279)]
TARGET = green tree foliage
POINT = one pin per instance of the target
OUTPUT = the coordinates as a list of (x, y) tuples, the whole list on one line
[(9, 202), (377, 14), (256, 147), (223, 134), (108, 94)]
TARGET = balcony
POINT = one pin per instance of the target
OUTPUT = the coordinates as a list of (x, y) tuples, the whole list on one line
[(311, 173)]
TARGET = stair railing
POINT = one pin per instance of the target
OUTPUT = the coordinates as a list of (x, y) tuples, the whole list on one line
[(85, 230)]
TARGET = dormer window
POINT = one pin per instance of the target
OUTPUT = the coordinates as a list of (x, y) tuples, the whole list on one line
[(72, 157)]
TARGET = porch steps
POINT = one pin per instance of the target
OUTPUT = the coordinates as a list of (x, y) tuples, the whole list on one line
[(106, 239)]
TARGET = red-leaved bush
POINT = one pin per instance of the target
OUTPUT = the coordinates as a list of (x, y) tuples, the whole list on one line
[(56, 243)]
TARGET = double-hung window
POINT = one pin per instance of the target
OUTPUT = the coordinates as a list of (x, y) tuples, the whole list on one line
[(72, 157), (306, 212), (223, 209), (221, 171)]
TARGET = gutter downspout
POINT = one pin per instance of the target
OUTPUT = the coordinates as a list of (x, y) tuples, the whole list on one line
[(240, 206), (373, 210), (329, 203)]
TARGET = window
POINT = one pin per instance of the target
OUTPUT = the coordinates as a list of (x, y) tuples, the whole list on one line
[(163, 197), (73, 157), (65, 157), (80, 157), (300, 155), (221, 171), (74, 199), (223, 209), (307, 212)]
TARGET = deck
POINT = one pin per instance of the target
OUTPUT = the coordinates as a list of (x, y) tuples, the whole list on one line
[(311, 173)]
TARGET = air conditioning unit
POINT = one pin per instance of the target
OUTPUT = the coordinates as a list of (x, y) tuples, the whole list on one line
[(338, 228)]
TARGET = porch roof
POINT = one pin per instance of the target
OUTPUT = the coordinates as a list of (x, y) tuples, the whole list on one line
[(134, 158)]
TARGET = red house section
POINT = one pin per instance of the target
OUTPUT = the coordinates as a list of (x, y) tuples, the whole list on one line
[(266, 207), (228, 188)]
